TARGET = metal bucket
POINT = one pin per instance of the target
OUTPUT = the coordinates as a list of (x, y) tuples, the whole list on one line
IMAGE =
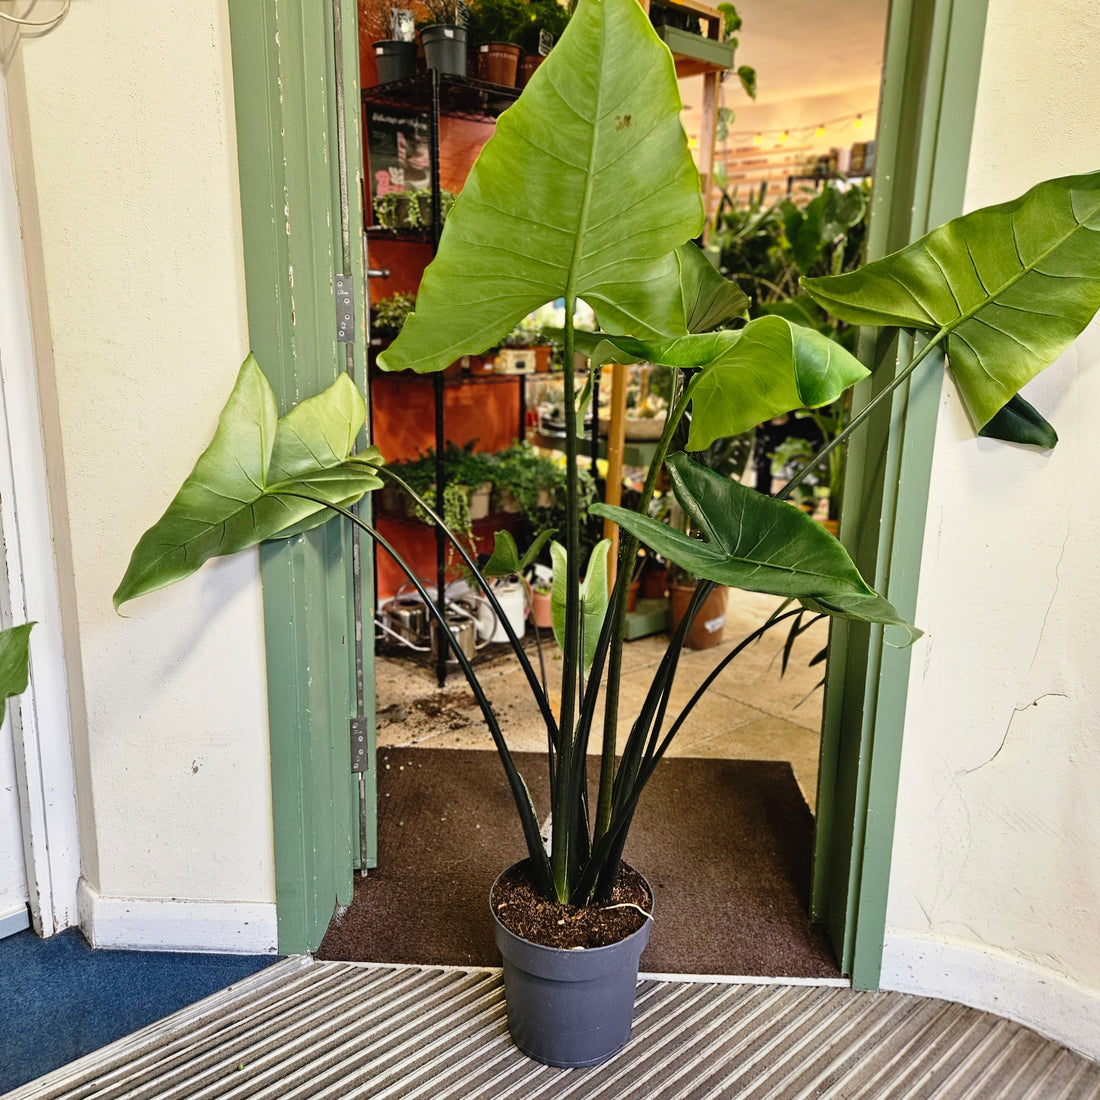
[(464, 632)]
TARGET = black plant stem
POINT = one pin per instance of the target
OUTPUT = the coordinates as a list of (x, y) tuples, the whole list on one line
[(564, 822), (887, 391)]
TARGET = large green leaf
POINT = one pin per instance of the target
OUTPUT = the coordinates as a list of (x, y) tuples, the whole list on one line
[(593, 594), (766, 369), (1010, 286), (774, 368), (586, 188), (755, 542), (230, 500), (14, 663)]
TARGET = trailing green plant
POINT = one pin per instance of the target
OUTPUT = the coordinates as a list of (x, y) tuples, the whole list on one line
[(609, 202), (388, 315), (530, 477)]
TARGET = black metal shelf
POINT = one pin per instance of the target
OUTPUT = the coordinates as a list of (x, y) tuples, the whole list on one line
[(459, 97), (437, 95), (412, 236)]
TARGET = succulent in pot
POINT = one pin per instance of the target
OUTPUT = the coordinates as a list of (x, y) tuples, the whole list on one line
[(1002, 292)]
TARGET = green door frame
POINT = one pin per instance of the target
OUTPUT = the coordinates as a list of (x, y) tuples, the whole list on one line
[(932, 63), (284, 65), (284, 78)]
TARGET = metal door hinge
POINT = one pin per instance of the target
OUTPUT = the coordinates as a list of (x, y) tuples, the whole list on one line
[(360, 759), (345, 310)]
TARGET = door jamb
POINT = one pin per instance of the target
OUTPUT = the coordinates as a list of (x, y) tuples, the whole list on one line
[(41, 718), (283, 76), (920, 176)]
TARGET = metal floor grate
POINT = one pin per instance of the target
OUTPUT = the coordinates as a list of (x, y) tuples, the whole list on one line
[(304, 1028)]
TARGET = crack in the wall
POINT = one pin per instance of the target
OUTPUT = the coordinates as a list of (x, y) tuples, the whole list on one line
[(1050, 602), (1008, 729)]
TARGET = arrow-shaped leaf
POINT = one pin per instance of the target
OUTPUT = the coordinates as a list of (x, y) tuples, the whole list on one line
[(230, 501), (505, 559), (549, 210), (1010, 286), (593, 596), (774, 368), (755, 542)]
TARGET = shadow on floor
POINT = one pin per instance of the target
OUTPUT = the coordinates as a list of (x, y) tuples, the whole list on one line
[(62, 1000)]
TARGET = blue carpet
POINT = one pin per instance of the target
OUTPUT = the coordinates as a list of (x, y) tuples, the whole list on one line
[(62, 1000)]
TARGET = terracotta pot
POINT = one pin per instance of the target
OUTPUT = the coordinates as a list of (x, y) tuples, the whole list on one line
[(632, 595), (655, 583), (706, 630), (497, 63), (542, 613), (528, 63), (543, 354)]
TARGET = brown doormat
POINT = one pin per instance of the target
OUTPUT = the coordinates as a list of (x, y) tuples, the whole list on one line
[(725, 844)]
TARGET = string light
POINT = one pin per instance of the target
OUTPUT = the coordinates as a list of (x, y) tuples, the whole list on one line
[(781, 135)]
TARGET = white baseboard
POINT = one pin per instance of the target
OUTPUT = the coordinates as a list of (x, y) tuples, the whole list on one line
[(14, 919), (995, 981), (138, 924)]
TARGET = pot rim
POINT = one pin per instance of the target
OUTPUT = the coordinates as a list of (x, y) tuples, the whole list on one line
[(588, 952)]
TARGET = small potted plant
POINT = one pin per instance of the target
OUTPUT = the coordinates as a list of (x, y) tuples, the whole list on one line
[(495, 29), (395, 56), (443, 35), (388, 315), (544, 21)]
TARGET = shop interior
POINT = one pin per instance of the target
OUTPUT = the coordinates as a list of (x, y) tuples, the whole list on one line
[(812, 119)]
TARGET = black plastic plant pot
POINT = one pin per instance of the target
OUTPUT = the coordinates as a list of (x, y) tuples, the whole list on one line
[(570, 1008), (394, 60), (445, 49)]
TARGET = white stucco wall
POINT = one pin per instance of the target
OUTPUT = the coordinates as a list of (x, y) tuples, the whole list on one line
[(130, 121), (995, 885)]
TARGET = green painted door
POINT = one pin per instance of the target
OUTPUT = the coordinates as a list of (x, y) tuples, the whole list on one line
[(930, 80), (295, 78)]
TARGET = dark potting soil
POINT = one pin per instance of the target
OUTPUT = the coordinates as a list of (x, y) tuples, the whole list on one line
[(527, 914)]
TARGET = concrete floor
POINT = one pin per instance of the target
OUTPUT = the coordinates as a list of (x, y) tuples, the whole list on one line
[(750, 712)]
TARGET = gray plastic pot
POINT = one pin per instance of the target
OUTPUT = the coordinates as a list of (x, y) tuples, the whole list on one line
[(570, 1008), (394, 60), (445, 48)]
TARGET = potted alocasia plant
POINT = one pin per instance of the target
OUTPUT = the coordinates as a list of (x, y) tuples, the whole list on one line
[(587, 191)]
